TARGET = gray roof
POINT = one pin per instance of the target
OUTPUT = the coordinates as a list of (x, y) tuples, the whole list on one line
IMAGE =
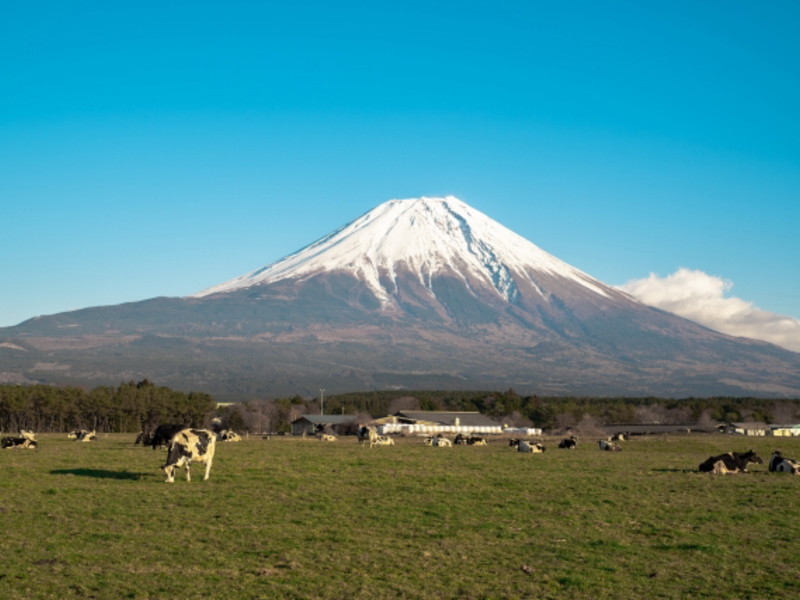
[(327, 419), (644, 429), (468, 419)]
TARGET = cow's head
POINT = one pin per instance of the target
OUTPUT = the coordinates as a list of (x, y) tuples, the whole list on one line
[(752, 457)]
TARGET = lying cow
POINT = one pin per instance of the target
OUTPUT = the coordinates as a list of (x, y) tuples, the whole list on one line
[(228, 435), (88, 436), (608, 446), (326, 437), (190, 445), (568, 443), (779, 464), (730, 462), (164, 434), (438, 441), (383, 440), (530, 447), (26, 440)]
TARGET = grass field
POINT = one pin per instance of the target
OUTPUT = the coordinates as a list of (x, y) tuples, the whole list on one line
[(293, 518)]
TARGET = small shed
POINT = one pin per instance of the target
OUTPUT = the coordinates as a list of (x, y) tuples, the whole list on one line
[(313, 424)]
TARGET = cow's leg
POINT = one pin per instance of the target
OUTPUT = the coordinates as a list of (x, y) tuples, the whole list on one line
[(188, 474), (208, 468)]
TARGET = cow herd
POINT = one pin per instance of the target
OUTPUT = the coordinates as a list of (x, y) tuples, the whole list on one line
[(186, 445)]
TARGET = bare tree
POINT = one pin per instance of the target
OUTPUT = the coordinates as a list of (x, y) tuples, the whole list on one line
[(784, 413), (590, 426), (565, 420), (705, 421), (404, 403)]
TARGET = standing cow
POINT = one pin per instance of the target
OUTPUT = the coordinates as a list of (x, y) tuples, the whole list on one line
[(190, 445)]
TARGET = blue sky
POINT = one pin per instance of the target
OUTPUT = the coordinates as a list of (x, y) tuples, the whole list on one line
[(159, 148)]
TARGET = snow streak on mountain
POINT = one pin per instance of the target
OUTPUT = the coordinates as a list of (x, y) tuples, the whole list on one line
[(426, 237)]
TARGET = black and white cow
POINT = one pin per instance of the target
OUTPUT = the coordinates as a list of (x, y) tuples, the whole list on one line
[(779, 464), (26, 440), (190, 445), (608, 446), (164, 433), (568, 443), (531, 447), (730, 462)]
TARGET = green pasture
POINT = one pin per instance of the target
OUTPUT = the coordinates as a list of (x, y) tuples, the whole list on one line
[(295, 518)]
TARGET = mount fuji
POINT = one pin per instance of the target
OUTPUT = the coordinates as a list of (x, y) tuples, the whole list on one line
[(417, 293)]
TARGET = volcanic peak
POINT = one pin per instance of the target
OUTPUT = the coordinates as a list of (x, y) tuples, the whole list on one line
[(426, 236)]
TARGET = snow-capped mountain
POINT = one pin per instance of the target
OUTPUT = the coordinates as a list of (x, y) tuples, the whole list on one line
[(423, 237), (424, 293)]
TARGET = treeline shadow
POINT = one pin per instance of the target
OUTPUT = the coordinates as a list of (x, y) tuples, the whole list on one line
[(98, 473)]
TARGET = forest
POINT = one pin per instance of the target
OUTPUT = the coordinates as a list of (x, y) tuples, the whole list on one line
[(133, 407)]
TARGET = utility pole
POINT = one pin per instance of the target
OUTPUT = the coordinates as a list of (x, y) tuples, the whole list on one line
[(321, 401)]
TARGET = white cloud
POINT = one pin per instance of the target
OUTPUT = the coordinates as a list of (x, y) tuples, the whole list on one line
[(701, 297)]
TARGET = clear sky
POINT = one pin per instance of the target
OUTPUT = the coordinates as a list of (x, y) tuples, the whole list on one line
[(158, 148)]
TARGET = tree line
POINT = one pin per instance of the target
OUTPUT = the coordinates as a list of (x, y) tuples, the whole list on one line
[(128, 407), (132, 407)]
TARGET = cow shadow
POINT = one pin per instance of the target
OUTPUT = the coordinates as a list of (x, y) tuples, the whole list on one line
[(675, 470), (98, 473)]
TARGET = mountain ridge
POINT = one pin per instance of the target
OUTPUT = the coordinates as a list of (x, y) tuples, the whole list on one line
[(418, 293)]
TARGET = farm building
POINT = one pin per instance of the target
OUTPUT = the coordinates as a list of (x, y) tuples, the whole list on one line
[(312, 424), (429, 422), (785, 430), (756, 429)]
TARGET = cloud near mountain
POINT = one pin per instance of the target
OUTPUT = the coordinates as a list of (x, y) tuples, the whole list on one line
[(700, 297)]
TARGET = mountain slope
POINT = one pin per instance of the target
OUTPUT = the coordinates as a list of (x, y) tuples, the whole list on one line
[(417, 293)]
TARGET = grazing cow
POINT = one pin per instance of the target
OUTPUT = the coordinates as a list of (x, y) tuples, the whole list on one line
[(568, 443), (730, 462), (367, 434), (145, 439), (608, 446), (164, 434), (26, 440), (190, 445), (779, 464)]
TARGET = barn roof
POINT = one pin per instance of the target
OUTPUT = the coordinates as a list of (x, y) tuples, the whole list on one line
[(468, 419), (327, 419), (645, 429)]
